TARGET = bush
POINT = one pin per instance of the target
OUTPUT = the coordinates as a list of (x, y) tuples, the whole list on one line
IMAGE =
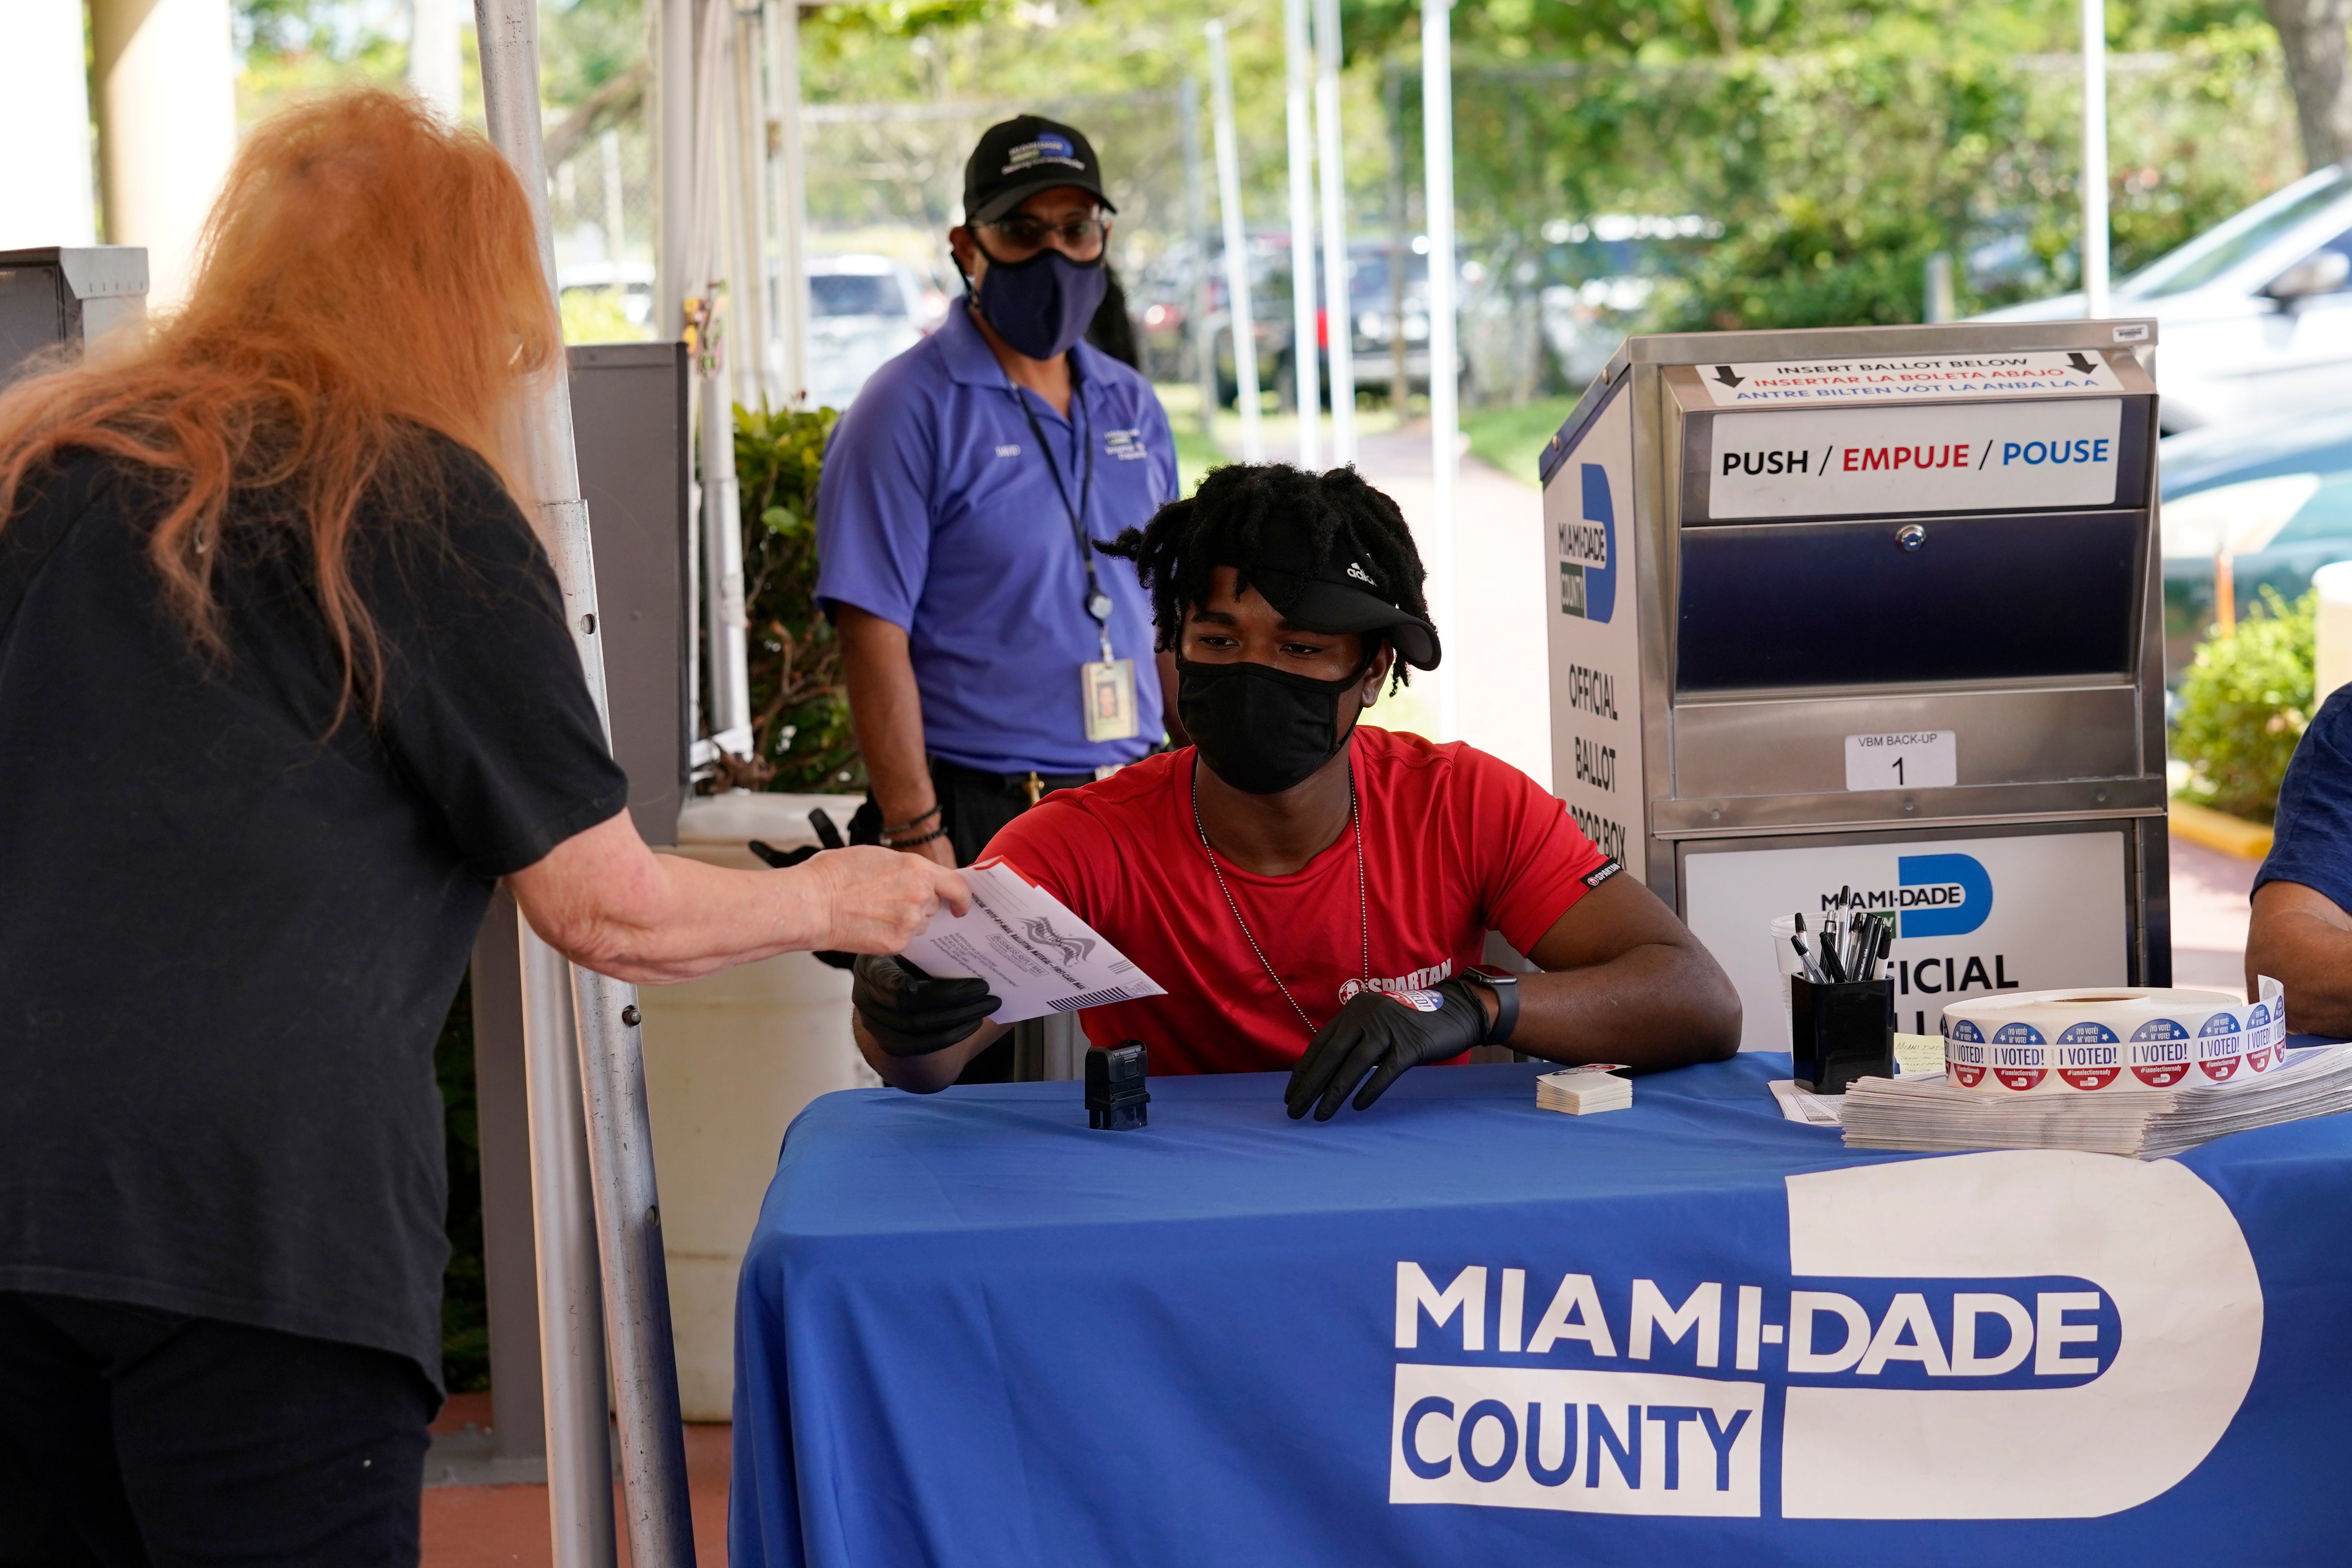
[(2244, 705), (800, 708)]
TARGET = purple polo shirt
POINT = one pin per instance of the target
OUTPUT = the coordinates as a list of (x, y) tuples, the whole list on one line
[(938, 513)]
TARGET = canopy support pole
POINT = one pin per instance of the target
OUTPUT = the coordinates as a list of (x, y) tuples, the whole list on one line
[(1445, 387), (618, 1141)]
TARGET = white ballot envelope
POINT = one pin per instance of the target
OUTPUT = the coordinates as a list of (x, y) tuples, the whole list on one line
[(1037, 956)]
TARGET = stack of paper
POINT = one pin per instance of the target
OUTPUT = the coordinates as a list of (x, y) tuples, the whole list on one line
[(1580, 1091), (1930, 1114)]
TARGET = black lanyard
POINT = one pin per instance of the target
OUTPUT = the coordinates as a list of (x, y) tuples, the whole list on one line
[(1097, 602)]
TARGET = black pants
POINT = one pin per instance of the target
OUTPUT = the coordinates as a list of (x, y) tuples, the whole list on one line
[(972, 806), (131, 1436)]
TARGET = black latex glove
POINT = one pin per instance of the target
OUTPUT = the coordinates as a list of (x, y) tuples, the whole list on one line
[(911, 1013), (1382, 1034)]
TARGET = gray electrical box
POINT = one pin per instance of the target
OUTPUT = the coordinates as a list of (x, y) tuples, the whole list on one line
[(1871, 617), (629, 425), (65, 294)]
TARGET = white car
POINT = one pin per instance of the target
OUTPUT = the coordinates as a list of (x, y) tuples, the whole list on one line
[(863, 311), (2254, 315)]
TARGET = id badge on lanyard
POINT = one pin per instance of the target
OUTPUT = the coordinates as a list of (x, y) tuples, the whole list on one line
[(1106, 686)]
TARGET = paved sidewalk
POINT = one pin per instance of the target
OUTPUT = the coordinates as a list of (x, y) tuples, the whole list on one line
[(2209, 917)]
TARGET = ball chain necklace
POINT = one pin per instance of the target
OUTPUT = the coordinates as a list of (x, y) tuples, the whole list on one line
[(1363, 905)]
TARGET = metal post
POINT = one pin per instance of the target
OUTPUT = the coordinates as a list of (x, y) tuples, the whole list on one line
[(674, 106), (789, 201), (611, 1068), (1304, 377), (1237, 276), (2094, 158), (1444, 416), (727, 663), (1400, 248), (1196, 225), (1339, 297), (756, 360)]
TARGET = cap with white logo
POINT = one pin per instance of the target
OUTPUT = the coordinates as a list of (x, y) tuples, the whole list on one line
[(1020, 157)]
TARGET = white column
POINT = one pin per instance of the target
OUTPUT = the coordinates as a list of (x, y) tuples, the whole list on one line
[(755, 364), (1338, 300), (788, 180), (2094, 158), (1298, 114), (167, 127), (674, 144), (44, 119), (436, 56), (1444, 416), (1237, 275)]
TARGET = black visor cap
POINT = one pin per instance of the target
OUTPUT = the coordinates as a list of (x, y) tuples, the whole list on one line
[(1344, 595)]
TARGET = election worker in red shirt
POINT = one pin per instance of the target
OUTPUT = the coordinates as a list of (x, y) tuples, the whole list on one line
[(1314, 892)]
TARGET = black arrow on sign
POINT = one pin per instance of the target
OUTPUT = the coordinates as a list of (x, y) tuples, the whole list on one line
[(1722, 374), (2081, 363)]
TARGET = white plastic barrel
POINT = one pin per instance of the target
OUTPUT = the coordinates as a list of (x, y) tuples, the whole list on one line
[(2331, 665), (730, 1060)]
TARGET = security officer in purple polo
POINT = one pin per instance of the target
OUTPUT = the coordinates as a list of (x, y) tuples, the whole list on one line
[(993, 654)]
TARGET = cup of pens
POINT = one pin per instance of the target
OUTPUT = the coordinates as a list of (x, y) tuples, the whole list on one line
[(1841, 1004)]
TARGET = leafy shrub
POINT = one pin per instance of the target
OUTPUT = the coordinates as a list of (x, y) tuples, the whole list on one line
[(2244, 705), (800, 708)]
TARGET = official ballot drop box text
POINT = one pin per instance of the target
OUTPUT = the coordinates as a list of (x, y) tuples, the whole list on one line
[(1872, 609)]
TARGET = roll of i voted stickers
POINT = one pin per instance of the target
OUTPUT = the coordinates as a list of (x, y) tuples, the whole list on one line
[(2110, 1040)]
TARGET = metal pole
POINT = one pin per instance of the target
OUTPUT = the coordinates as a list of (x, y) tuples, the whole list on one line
[(1444, 416), (1304, 379), (1399, 250), (612, 1071), (2094, 158), (674, 106), (1196, 224), (730, 714), (756, 361), (791, 199), (1339, 297), (1237, 274)]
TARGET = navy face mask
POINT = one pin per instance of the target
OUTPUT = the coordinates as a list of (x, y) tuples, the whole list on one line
[(1042, 305)]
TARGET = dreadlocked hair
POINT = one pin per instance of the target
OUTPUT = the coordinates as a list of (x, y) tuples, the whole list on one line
[(1226, 521)]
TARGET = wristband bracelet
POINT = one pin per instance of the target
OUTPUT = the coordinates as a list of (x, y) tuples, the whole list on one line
[(914, 843), (916, 821)]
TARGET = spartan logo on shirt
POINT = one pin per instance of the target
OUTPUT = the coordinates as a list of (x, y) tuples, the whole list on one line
[(1073, 949), (1419, 979)]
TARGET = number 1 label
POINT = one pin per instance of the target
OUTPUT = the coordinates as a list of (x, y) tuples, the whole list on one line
[(1911, 758)]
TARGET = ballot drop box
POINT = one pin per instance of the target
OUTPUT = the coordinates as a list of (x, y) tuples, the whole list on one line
[(1869, 618)]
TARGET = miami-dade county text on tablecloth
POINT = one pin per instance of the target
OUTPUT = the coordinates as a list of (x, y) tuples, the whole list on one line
[(1460, 1329)]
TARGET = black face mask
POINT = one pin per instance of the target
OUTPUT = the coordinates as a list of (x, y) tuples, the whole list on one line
[(1259, 729)]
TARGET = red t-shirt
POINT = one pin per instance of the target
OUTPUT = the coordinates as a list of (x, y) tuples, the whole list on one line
[(1456, 843)]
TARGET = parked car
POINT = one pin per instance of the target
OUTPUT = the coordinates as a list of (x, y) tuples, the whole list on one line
[(863, 311), (633, 279), (1598, 275), (2254, 315), (2276, 497)]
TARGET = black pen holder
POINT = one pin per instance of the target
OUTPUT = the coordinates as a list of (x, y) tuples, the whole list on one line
[(1116, 1087), (1840, 1032)]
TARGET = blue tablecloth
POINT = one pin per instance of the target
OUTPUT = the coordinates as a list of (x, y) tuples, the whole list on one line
[(1459, 1329)]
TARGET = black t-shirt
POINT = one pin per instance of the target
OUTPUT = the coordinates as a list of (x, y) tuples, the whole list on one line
[(230, 928)]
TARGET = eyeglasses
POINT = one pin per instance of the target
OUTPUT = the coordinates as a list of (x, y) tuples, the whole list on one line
[(1024, 235)]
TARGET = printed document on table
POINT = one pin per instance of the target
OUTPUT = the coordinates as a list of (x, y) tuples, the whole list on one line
[(1037, 956)]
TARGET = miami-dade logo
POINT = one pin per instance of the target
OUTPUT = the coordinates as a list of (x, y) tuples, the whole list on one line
[(1588, 553), (1983, 1336)]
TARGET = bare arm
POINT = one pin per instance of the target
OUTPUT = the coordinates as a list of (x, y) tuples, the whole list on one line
[(2300, 938), (608, 903), (1625, 982), (886, 712), (924, 1075)]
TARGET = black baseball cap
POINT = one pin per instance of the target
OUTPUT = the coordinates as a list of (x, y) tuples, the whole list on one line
[(1343, 594), (1017, 158)]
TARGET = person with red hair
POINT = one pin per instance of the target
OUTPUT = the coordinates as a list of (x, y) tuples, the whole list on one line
[(285, 689)]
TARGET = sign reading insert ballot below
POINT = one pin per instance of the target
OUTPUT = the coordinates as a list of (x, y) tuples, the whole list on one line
[(1834, 462)]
